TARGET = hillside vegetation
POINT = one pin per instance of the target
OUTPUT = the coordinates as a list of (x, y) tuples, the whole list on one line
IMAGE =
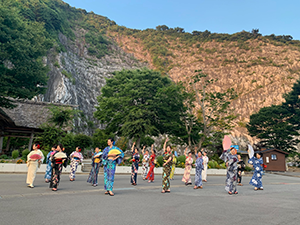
[(259, 68)]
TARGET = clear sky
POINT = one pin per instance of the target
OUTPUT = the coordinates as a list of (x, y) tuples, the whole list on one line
[(277, 17)]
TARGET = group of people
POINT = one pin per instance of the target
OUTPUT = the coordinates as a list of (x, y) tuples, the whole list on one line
[(112, 155), (235, 166)]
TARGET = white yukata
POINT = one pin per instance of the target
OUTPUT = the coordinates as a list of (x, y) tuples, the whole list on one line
[(204, 171), (33, 165)]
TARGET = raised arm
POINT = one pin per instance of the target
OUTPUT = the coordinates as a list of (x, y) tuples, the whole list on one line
[(196, 152), (185, 151), (132, 146), (165, 144), (143, 149)]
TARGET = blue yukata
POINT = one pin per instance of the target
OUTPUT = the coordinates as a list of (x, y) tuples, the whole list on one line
[(134, 167), (258, 172), (93, 176), (109, 167), (198, 172), (49, 167)]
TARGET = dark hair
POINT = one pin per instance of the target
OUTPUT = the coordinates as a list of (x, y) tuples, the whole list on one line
[(111, 139), (169, 146), (190, 152), (54, 146), (154, 151), (60, 145), (37, 144), (136, 148), (260, 153)]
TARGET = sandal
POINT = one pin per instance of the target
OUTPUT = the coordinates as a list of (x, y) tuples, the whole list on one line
[(200, 187), (111, 193), (229, 192), (54, 189), (163, 191), (236, 193), (107, 193), (255, 189), (168, 191)]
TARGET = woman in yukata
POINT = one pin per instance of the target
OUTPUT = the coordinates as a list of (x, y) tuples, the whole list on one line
[(58, 160), (231, 160), (48, 162), (188, 166), (150, 175), (174, 161), (135, 164), (96, 163), (145, 163), (167, 159), (205, 162), (257, 163), (111, 156), (34, 160), (76, 158), (198, 172)]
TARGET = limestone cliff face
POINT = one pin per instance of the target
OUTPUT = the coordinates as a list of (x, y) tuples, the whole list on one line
[(77, 78)]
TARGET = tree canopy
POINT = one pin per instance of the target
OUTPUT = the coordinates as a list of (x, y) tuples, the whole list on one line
[(136, 103), (22, 45)]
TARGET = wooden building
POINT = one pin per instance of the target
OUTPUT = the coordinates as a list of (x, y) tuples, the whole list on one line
[(274, 159)]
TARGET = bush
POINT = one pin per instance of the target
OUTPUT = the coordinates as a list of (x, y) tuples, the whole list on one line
[(19, 161), (180, 159), (15, 154), (211, 164), (248, 168), (3, 156), (24, 154), (45, 153), (159, 160)]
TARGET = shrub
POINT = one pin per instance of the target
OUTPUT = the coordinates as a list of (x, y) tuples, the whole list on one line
[(24, 154), (19, 161), (3, 157), (211, 164), (45, 153), (181, 159), (159, 160), (248, 168), (15, 154)]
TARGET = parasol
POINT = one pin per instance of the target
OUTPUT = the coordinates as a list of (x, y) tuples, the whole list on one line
[(60, 155), (35, 157), (226, 142), (250, 152)]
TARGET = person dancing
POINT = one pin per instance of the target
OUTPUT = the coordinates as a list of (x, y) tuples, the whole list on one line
[(96, 163), (76, 158), (48, 162), (241, 168), (198, 172), (257, 163), (205, 162), (135, 164), (188, 166), (150, 175), (58, 160), (34, 160), (174, 161), (230, 158), (109, 162), (166, 168), (145, 163)]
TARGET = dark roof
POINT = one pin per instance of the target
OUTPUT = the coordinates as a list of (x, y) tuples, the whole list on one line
[(273, 149)]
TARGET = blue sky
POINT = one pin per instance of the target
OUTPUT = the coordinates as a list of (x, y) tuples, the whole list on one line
[(220, 16)]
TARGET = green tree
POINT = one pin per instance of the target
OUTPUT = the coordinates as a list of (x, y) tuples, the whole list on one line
[(135, 103), (100, 138), (22, 45), (272, 126), (214, 111)]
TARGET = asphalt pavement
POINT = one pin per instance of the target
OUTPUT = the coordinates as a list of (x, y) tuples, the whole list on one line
[(79, 203)]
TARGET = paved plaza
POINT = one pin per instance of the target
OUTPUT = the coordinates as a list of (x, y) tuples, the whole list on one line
[(79, 203)]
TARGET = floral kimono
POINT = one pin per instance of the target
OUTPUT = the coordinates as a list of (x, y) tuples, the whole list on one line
[(258, 172), (56, 165), (74, 163), (150, 175), (145, 165), (187, 171), (198, 172), (49, 167), (110, 167), (134, 167), (174, 161), (166, 172), (93, 177), (231, 179)]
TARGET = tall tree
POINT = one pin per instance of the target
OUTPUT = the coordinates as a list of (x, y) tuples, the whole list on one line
[(271, 124), (214, 111), (136, 103), (22, 45)]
